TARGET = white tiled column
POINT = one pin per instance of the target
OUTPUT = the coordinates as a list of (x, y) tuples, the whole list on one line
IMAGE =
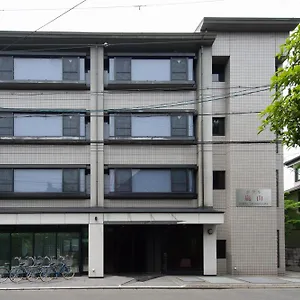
[(209, 250), (96, 246)]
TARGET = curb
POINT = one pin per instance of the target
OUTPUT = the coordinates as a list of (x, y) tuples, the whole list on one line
[(189, 287)]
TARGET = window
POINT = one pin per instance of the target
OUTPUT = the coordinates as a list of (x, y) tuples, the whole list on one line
[(150, 181), (144, 125), (42, 125), (123, 126), (297, 174), (43, 180), (221, 248), (42, 69), (151, 69), (218, 126), (218, 180), (218, 72), (277, 187)]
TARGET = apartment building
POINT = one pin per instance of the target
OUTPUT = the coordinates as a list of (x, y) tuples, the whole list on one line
[(139, 153)]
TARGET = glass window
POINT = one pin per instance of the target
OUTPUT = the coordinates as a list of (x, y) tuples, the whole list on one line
[(218, 180), (297, 174), (48, 125), (218, 72), (37, 125), (151, 181), (123, 180), (21, 245), (221, 248), (6, 124), (35, 180), (38, 69), (44, 244), (68, 246), (218, 126), (6, 180), (179, 125), (123, 125), (4, 249), (150, 126)]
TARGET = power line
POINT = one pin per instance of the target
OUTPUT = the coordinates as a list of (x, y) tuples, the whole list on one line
[(139, 6), (157, 106), (39, 28)]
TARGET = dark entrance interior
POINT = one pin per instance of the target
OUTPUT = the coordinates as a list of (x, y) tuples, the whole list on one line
[(166, 249)]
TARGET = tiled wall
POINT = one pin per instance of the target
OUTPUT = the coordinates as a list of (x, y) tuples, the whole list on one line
[(147, 154), (44, 99), (44, 154), (251, 231)]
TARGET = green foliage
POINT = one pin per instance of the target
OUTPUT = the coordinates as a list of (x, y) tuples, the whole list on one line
[(282, 116), (292, 217)]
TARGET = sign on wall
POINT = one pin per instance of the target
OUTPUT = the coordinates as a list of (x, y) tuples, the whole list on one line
[(253, 197)]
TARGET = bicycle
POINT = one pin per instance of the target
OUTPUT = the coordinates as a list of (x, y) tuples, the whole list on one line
[(22, 271), (4, 272), (56, 269)]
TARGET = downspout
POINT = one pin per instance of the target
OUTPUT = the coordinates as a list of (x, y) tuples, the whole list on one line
[(94, 126), (202, 131)]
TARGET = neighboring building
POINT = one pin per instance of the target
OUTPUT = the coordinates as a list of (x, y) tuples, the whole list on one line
[(139, 152), (293, 239)]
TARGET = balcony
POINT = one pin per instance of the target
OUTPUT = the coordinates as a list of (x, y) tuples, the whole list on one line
[(177, 183), (127, 72), (150, 128), (27, 72)]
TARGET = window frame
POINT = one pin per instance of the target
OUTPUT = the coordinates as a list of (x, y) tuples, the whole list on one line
[(189, 193), (53, 195)]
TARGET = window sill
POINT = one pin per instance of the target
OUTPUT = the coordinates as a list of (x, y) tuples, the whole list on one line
[(45, 140), (52, 196), (40, 84), (149, 196), (172, 85), (151, 141)]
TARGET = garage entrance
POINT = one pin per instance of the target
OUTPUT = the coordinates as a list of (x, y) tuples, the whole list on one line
[(167, 249)]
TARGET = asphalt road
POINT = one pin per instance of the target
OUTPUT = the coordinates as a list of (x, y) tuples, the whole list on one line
[(233, 294)]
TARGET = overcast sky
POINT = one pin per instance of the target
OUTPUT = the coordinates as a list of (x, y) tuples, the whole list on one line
[(139, 16)]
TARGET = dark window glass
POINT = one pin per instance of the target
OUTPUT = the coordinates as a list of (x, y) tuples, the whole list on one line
[(71, 180), (179, 180), (179, 125), (218, 126), (221, 248), (6, 124), (218, 180), (123, 178), (218, 72), (71, 125), (123, 68), (6, 180), (123, 126)]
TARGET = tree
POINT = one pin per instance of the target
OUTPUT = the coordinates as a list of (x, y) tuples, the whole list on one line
[(292, 217), (282, 116)]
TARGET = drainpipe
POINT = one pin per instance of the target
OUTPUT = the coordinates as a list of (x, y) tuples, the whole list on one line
[(94, 126), (202, 131)]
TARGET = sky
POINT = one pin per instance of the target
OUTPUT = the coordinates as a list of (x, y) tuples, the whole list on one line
[(140, 16)]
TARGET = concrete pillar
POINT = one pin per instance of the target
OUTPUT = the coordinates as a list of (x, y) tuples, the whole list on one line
[(96, 246), (204, 128), (209, 250)]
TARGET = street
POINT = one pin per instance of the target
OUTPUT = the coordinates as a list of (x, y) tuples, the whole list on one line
[(114, 294)]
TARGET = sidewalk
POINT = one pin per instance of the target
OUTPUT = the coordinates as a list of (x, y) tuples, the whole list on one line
[(290, 280)]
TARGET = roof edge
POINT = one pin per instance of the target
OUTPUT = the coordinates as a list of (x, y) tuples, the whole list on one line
[(233, 24)]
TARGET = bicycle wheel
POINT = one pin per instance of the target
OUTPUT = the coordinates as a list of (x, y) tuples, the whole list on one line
[(16, 275), (68, 272), (4, 274), (34, 274), (47, 274)]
